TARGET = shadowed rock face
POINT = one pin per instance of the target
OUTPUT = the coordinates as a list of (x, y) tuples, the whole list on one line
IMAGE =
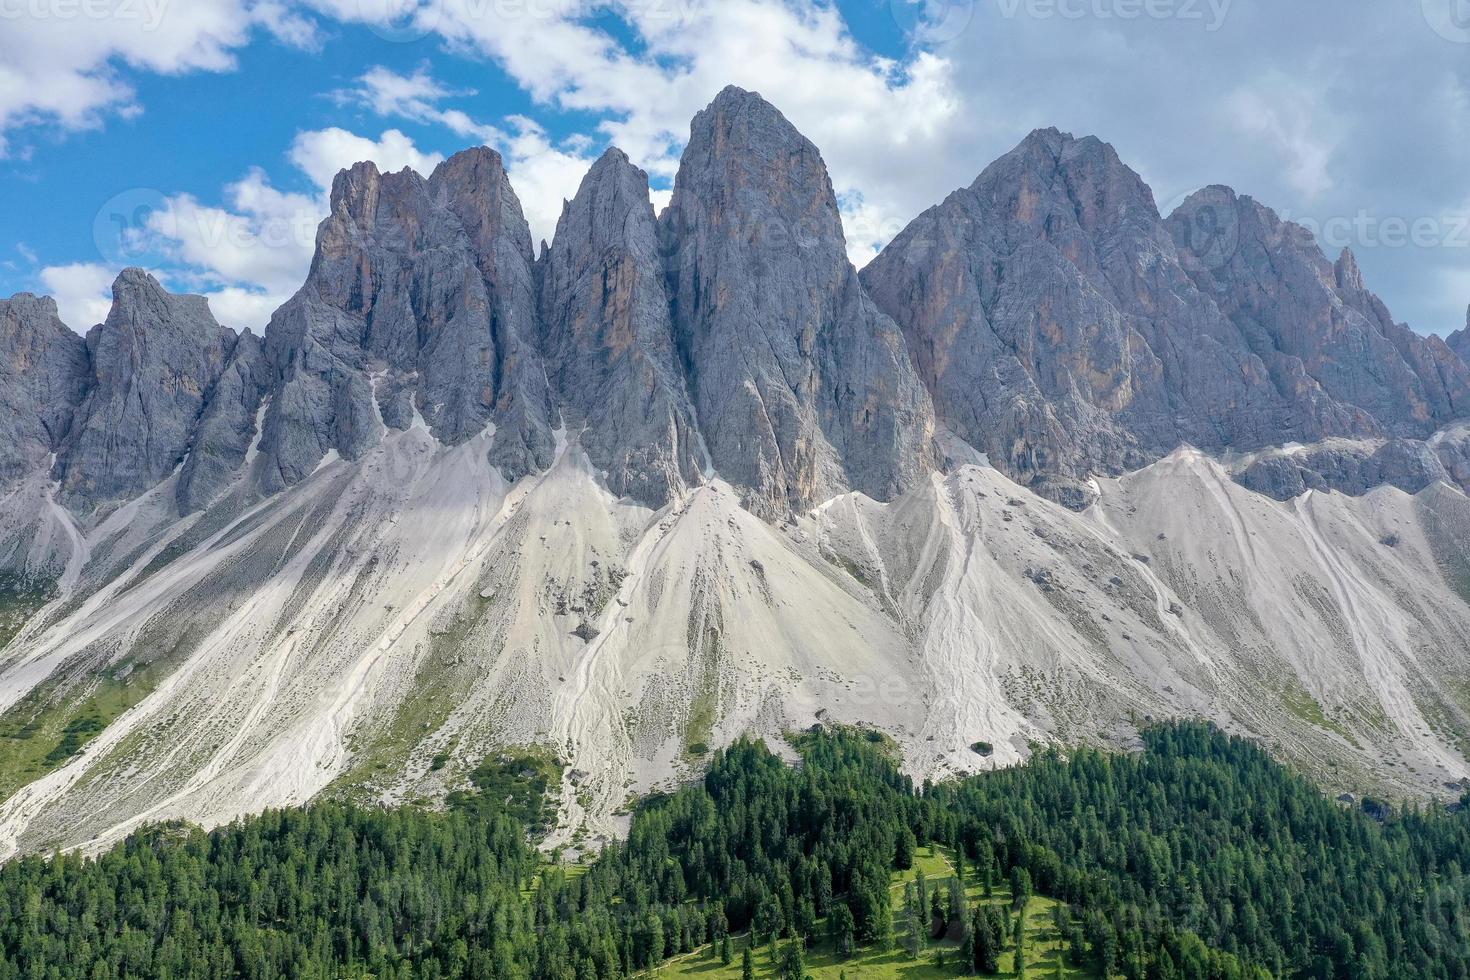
[(228, 427), (43, 378), (802, 386), (420, 299), (1065, 328), (1043, 305), (1408, 464), (608, 340), (1326, 339), (153, 364)]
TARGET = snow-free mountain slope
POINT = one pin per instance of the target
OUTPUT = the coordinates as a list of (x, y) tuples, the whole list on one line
[(682, 477)]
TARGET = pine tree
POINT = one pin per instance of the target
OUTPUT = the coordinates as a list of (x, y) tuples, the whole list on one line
[(839, 923), (747, 965), (793, 963)]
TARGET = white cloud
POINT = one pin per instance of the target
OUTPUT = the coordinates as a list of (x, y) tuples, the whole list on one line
[(240, 307), (881, 125), (82, 290), (545, 174), (265, 237), (66, 64), (416, 97), (248, 257), (1289, 120), (320, 154), (250, 254)]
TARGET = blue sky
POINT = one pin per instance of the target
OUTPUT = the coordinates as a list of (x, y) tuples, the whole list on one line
[(198, 137)]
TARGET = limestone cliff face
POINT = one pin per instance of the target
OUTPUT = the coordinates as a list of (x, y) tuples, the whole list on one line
[(43, 378), (1047, 315), (228, 427), (1339, 359), (421, 299), (803, 388), (1042, 305), (608, 338), (1065, 327), (153, 364)]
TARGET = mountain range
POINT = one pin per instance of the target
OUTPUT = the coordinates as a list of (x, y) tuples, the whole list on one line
[(1051, 465)]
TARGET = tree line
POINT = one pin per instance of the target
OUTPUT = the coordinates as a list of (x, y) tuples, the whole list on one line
[(1198, 857)]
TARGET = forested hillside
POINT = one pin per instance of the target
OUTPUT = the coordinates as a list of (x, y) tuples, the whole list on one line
[(1197, 858)]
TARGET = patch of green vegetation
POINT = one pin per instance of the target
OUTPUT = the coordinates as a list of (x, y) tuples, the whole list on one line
[(51, 724), (20, 599), (982, 747), (438, 687), (823, 735), (704, 705), (524, 783), (701, 724), (1043, 943), (1300, 703)]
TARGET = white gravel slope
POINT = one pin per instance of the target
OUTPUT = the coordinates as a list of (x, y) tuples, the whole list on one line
[(383, 627)]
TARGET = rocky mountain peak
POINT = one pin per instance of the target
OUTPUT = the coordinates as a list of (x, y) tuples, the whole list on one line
[(1065, 328), (608, 337), (803, 389), (43, 372), (1459, 341), (1349, 277), (421, 299), (474, 186), (153, 363), (1332, 346)]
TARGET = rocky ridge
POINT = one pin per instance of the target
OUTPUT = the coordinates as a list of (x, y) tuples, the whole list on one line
[(687, 475)]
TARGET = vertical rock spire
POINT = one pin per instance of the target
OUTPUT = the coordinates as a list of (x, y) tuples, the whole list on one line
[(608, 339), (803, 388)]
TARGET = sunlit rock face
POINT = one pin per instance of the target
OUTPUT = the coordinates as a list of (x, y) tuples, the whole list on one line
[(153, 364), (803, 388), (608, 338), (43, 378), (420, 302)]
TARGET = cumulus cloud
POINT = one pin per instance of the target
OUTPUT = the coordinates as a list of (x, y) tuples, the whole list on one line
[(1320, 108), (82, 290), (320, 154), (67, 64)]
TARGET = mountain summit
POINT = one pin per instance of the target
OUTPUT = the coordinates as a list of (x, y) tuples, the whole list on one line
[(1053, 463), (1067, 329)]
